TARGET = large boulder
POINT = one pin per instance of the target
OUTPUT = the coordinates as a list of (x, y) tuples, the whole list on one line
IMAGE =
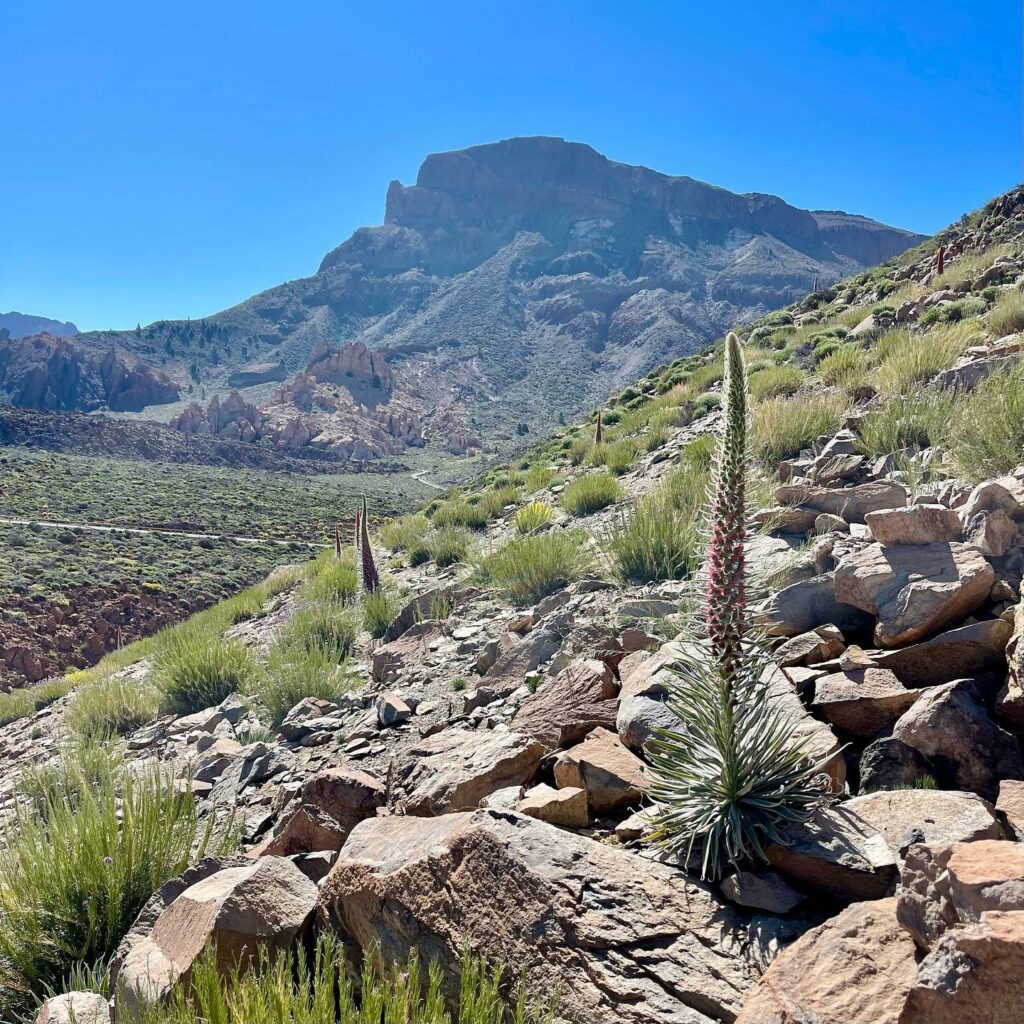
[(915, 524), (887, 763), (579, 699), (263, 905), (622, 940), (854, 969), (74, 1008), (1010, 700), (915, 589), (455, 769), (956, 654), (643, 697), (807, 604), (861, 702), (949, 726)]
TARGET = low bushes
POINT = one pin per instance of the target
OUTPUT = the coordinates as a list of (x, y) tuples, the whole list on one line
[(657, 541), (74, 877), (459, 512), (112, 706), (1007, 317), (403, 533), (918, 420), (447, 546), (617, 456), (589, 494), (771, 383), (532, 517), (337, 579), (529, 568), (784, 426), (986, 436), (194, 670), (538, 478), (294, 673)]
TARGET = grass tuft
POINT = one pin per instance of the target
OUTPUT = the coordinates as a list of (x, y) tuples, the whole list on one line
[(590, 494), (194, 671), (529, 568)]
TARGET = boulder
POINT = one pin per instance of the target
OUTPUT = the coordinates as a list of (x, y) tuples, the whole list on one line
[(74, 1008), (974, 975), (611, 774), (307, 830), (926, 816), (992, 533), (854, 969), (761, 890), (566, 807), (456, 768), (957, 654), (852, 503), (821, 644), (837, 853), (1010, 805), (646, 681), (888, 763), (620, 938), (948, 725), (807, 604), (1006, 494), (862, 702), (392, 709), (579, 699), (265, 905), (1010, 700), (915, 524), (914, 590), (346, 794), (945, 885)]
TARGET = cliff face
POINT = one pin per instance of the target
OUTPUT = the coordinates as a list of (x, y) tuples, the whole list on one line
[(516, 283)]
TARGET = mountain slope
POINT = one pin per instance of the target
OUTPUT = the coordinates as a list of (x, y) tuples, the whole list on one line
[(514, 283)]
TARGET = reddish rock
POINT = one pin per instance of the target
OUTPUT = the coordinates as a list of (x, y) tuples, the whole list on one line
[(611, 774), (915, 524)]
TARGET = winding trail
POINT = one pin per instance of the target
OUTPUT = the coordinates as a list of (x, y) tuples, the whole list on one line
[(104, 528), (420, 476)]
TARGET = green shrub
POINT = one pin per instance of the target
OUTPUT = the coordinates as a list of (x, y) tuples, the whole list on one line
[(112, 706), (323, 626), (1008, 315), (404, 533), (579, 450), (846, 367), (287, 989), (617, 456), (538, 478), (27, 701), (459, 512), (379, 610), (911, 359), (704, 376), (493, 503), (917, 420), (529, 568), (80, 766), (294, 673), (448, 546), (533, 516), (589, 494), (986, 436), (705, 403), (73, 878), (771, 383), (194, 671), (783, 427), (337, 580), (657, 541)]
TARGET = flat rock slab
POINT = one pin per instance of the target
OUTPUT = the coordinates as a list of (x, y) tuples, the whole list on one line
[(914, 590), (838, 853), (566, 807), (624, 940), (852, 503), (761, 890), (580, 698), (915, 524), (457, 768), (861, 703), (956, 654), (807, 604), (74, 1008), (856, 968), (930, 815)]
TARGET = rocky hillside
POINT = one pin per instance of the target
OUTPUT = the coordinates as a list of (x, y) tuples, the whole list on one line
[(512, 285), (22, 325), (465, 758)]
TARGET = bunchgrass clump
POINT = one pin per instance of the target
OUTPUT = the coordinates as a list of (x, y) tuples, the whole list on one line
[(846, 367), (539, 478), (379, 610), (986, 434), (80, 765), (912, 359), (460, 512), (448, 546), (529, 568), (616, 456), (194, 670), (656, 541), (1007, 316), (404, 533), (591, 493), (323, 626), (775, 382), (494, 502), (113, 705), (783, 427), (74, 876), (286, 988), (294, 673), (30, 699), (916, 420), (336, 580), (532, 516)]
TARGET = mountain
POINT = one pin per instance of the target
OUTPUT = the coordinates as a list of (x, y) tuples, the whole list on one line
[(21, 325), (508, 288)]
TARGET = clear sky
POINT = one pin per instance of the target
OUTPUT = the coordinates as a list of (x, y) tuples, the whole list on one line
[(168, 160)]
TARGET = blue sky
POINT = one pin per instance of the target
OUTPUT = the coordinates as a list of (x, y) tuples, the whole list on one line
[(169, 160)]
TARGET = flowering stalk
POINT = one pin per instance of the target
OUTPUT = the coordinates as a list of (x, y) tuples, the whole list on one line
[(371, 580), (598, 433), (337, 540), (940, 260), (726, 593)]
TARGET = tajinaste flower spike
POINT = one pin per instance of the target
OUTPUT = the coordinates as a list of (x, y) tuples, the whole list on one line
[(598, 431), (371, 580)]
